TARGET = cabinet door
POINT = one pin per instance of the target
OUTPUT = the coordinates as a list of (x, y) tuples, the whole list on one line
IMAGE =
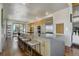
[(60, 28), (43, 48), (47, 48)]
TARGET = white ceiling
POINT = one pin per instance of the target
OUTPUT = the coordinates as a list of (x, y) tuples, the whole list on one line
[(21, 11)]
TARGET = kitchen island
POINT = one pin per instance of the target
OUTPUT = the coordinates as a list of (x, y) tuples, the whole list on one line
[(46, 46)]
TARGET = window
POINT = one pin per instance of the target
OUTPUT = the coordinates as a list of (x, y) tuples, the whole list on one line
[(19, 28)]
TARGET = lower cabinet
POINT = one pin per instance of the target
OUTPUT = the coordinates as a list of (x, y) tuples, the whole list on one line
[(45, 47)]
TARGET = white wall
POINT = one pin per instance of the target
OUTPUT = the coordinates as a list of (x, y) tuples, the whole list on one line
[(0, 29), (63, 16)]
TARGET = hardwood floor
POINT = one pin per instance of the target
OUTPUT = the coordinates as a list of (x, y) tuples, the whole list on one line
[(12, 49), (73, 51)]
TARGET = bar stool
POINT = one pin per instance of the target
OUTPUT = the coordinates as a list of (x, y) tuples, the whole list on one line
[(34, 44)]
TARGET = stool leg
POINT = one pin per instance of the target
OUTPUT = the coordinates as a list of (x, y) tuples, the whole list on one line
[(31, 52)]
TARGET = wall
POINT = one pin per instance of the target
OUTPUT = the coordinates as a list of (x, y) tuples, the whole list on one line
[(3, 33), (0, 29), (63, 16)]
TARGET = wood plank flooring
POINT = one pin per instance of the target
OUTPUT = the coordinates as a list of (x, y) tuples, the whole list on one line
[(73, 51), (12, 49)]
